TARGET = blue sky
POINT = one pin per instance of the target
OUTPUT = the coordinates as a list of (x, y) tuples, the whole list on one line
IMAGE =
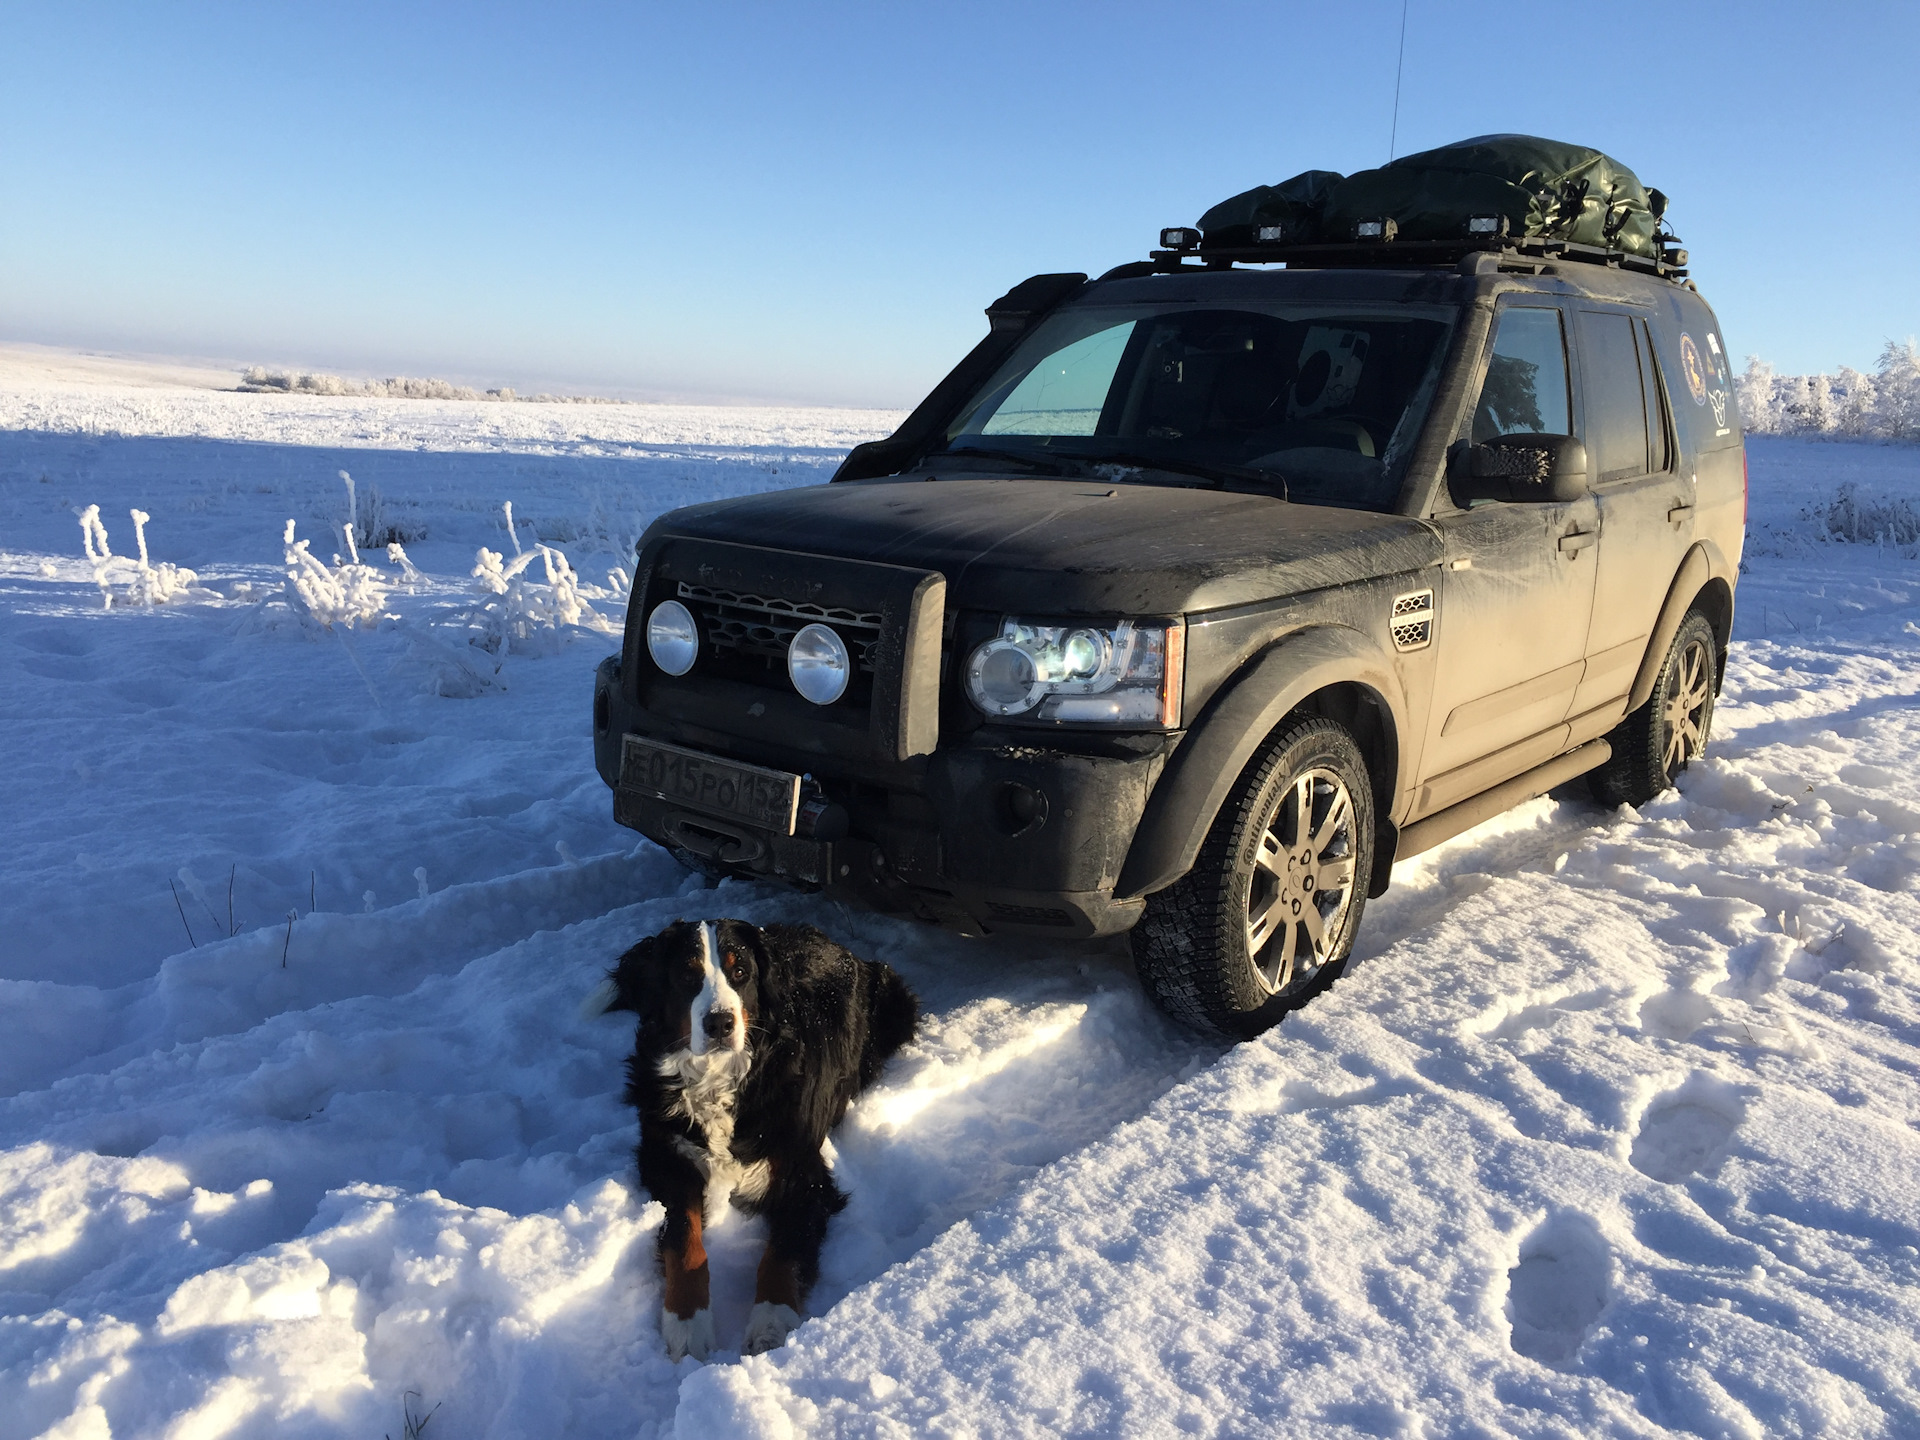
[(813, 203)]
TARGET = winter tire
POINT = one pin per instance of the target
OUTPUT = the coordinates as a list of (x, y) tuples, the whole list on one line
[(1669, 732), (1265, 919)]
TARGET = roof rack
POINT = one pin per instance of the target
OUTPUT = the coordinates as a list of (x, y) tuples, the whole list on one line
[(1504, 252)]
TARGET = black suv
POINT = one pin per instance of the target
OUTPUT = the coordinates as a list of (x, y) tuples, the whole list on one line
[(1198, 594)]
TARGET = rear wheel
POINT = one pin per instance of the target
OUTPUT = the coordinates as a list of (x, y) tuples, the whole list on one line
[(1669, 732), (1265, 919)]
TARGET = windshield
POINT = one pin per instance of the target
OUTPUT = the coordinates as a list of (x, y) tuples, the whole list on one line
[(1319, 402)]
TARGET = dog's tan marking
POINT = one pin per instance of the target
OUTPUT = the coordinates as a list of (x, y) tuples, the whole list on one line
[(778, 1282), (688, 1286)]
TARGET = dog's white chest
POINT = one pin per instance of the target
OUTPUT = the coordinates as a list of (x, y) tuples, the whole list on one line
[(709, 1096)]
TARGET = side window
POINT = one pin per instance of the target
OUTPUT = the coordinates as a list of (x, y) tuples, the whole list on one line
[(1526, 386), (1660, 418), (1616, 396)]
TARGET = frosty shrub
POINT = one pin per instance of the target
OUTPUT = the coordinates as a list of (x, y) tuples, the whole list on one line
[(1848, 404), (1869, 519), (346, 594), (409, 575), (259, 380), (1897, 392), (517, 614), (378, 522), (139, 581)]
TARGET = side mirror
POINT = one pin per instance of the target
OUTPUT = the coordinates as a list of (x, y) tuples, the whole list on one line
[(1518, 469)]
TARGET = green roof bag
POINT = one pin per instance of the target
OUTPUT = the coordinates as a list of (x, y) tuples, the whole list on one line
[(1293, 205), (1546, 189)]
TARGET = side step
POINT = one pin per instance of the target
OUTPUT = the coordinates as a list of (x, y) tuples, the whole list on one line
[(1443, 825)]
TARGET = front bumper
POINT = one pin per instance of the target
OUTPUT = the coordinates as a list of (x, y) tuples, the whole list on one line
[(1003, 833)]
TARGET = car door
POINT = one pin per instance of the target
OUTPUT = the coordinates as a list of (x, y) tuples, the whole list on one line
[(1645, 504), (1516, 586)]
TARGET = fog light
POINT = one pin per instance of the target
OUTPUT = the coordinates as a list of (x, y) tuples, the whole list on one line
[(1180, 237), (1270, 234), (818, 664), (1382, 230), (1003, 678), (673, 640), (1486, 224)]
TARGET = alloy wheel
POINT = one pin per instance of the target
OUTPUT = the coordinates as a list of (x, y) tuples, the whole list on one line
[(1302, 881)]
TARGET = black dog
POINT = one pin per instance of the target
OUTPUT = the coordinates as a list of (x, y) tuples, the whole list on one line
[(751, 1044)]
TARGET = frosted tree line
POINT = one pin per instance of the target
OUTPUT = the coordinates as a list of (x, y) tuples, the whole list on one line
[(1882, 406)]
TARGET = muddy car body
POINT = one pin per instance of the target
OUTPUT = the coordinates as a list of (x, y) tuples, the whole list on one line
[(1457, 525)]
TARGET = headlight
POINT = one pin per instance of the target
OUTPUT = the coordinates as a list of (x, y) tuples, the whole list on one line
[(672, 638), (1123, 674), (818, 664)]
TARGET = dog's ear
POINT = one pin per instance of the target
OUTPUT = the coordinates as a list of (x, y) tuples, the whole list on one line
[(623, 987)]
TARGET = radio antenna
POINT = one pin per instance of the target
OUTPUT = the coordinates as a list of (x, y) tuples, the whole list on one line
[(1398, 70)]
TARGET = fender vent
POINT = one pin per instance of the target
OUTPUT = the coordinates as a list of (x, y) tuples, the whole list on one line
[(1412, 622)]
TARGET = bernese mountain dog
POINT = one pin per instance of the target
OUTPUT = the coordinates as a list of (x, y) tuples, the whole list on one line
[(751, 1044)]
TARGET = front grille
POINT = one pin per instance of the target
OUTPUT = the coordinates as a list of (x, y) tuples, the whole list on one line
[(734, 622), (749, 602)]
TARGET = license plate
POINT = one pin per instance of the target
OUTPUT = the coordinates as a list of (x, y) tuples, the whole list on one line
[(752, 794)]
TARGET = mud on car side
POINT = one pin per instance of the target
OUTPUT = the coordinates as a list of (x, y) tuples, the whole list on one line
[(1201, 592)]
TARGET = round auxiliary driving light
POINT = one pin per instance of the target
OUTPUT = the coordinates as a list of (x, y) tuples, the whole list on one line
[(818, 664), (672, 638)]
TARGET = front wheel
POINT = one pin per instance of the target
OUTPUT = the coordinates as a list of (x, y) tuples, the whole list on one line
[(1266, 918), (1669, 732)]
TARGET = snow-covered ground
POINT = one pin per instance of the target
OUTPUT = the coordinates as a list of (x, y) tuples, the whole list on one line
[(1610, 1129)]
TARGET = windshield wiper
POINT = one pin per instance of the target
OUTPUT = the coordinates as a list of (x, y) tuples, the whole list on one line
[(1219, 474), (1031, 462)]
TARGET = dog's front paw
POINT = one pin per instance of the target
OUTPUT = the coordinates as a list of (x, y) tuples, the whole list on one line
[(768, 1327), (692, 1335)]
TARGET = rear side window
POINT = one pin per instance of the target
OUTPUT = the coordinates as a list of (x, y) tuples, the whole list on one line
[(1616, 396), (1525, 392)]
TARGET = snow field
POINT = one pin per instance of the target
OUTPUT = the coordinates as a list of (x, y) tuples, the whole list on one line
[(1610, 1128)]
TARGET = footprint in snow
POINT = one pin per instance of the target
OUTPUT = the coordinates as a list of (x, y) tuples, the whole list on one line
[(1559, 1288), (1511, 1020), (1687, 1130)]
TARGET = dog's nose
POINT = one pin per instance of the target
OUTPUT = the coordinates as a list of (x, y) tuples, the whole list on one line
[(719, 1024)]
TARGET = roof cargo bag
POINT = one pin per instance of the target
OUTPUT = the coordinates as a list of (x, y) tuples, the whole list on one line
[(1545, 189), (1292, 208)]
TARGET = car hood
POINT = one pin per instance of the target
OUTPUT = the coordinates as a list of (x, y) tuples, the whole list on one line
[(1075, 546)]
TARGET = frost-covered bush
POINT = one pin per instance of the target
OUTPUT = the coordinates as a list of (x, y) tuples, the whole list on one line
[(517, 614), (1897, 392), (138, 581), (378, 522), (1849, 516), (346, 593), (1869, 519), (1881, 406), (258, 379)]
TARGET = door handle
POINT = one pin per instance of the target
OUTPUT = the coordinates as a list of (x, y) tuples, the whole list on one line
[(1574, 541), (1679, 511)]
